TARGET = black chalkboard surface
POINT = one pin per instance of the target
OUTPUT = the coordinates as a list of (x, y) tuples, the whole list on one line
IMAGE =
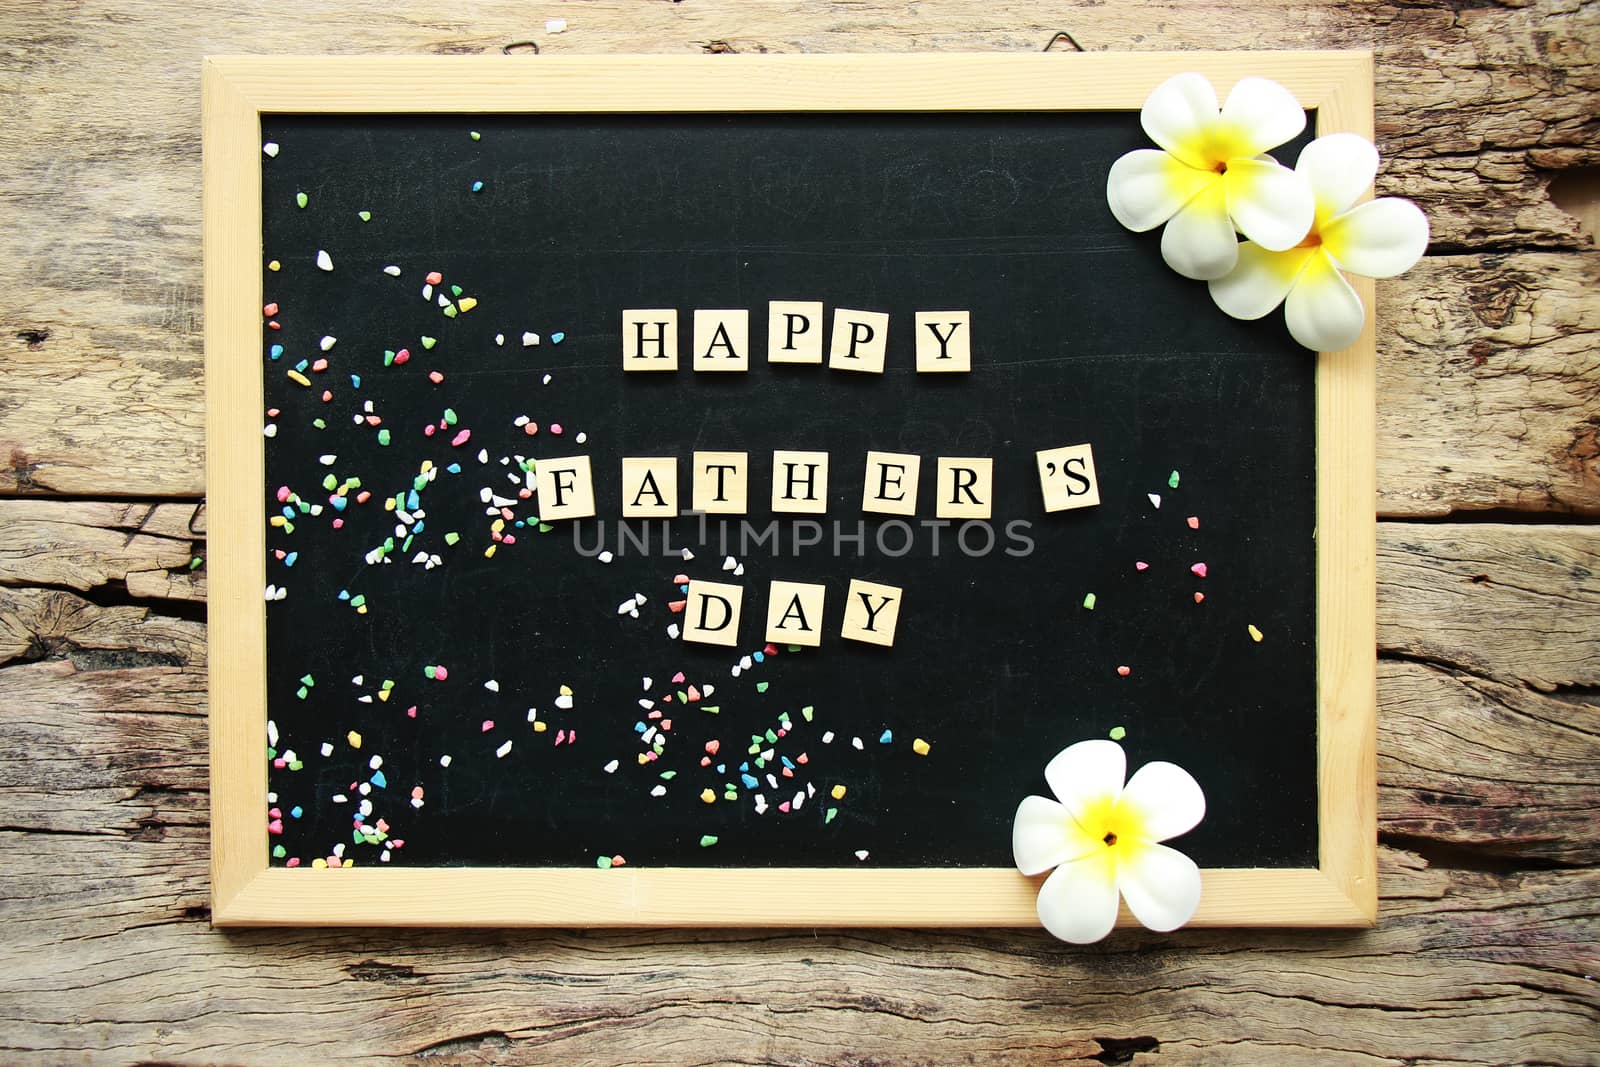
[(552, 225)]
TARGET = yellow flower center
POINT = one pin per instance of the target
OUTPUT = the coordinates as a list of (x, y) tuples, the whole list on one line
[(1117, 826)]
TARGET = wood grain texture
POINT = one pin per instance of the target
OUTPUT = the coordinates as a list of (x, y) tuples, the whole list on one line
[(99, 319), (1485, 948)]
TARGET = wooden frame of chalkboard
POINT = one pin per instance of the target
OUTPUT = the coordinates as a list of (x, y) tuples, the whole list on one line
[(238, 91)]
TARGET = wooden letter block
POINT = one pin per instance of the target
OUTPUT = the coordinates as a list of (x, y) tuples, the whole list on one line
[(649, 487), (965, 488), (799, 482), (944, 342), (720, 483), (871, 612), (794, 331), (711, 613), (565, 488), (860, 339), (794, 613), (1066, 475), (890, 487), (650, 339), (722, 340)]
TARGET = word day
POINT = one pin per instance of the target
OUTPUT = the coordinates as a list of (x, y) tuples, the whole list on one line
[(711, 612), (859, 340), (720, 483)]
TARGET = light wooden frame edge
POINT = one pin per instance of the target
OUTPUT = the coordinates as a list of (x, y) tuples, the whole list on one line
[(1341, 891)]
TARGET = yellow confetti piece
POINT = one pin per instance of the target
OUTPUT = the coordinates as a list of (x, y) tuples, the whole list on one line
[(488, 553), (274, 266), (383, 694), (467, 303), (643, 759), (837, 792), (708, 796), (540, 726), (319, 863), (299, 379), (1255, 634), (920, 747), (354, 739), (566, 690)]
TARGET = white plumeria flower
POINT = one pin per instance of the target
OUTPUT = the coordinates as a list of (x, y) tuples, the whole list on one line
[(1379, 239), (1211, 177), (1101, 838)]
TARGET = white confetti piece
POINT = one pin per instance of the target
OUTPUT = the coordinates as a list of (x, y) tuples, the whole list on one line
[(564, 701), (444, 761), (687, 555), (862, 855), (555, 26), (324, 260), (1155, 499), (392, 271), (611, 768), (606, 556), (492, 685), (269, 430), (327, 342), (529, 339), (327, 749), (547, 379), (500, 753), (729, 563), (271, 149), (582, 437)]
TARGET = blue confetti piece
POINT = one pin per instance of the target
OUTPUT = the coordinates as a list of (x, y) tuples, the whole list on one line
[(639, 727), (355, 381), (759, 657), (288, 561), (557, 337), (454, 468), (379, 780), (275, 351), (339, 503), (477, 187), (749, 781), (296, 811), (886, 737), (302, 365), (344, 594)]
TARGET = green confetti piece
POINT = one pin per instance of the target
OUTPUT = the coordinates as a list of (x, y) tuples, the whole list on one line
[(383, 437), (194, 564), (320, 424), (667, 776), (1172, 480), (682, 699), (1118, 733), (451, 538), (358, 600), (306, 679), (832, 814), (429, 342), (455, 290), (808, 711), (1088, 601), (295, 765), (388, 357), (707, 840), (330, 483), (762, 687), (794, 648), (772, 738), (388, 684), (449, 311), (429, 671), (545, 527), (302, 199), (364, 216), (475, 135), (278, 852), (302, 692), (603, 862), (712, 709), (449, 416)]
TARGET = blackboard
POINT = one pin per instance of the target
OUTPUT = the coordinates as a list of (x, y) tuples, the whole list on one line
[(484, 696)]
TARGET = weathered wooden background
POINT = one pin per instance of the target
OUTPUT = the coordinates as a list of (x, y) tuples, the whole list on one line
[(1488, 948)]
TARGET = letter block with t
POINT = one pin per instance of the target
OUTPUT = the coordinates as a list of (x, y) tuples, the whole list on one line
[(711, 613), (871, 612)]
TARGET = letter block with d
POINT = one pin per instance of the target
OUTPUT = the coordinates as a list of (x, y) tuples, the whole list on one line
[(711, 613)]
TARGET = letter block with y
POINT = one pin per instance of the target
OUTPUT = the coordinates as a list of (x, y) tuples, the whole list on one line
[(711, 613), (871, 612)]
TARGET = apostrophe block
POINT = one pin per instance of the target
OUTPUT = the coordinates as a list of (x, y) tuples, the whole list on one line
[(1067, 478)]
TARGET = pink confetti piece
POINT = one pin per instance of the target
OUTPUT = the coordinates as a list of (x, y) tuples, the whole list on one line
[(1124, 671), (461, 438), (1199, 570), (1141, 565), (1193, 521)]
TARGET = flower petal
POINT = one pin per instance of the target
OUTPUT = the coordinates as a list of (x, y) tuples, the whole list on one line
[(1199, 242), (1339, 167), (1160, 884), (1078, 902), (1322, 311), (1259, 281), (1146, 188), (1087, 776), (1178, 114), (1263, 114), (1379, 239), (1161, 800), (1045, 835), (1271, 205)]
